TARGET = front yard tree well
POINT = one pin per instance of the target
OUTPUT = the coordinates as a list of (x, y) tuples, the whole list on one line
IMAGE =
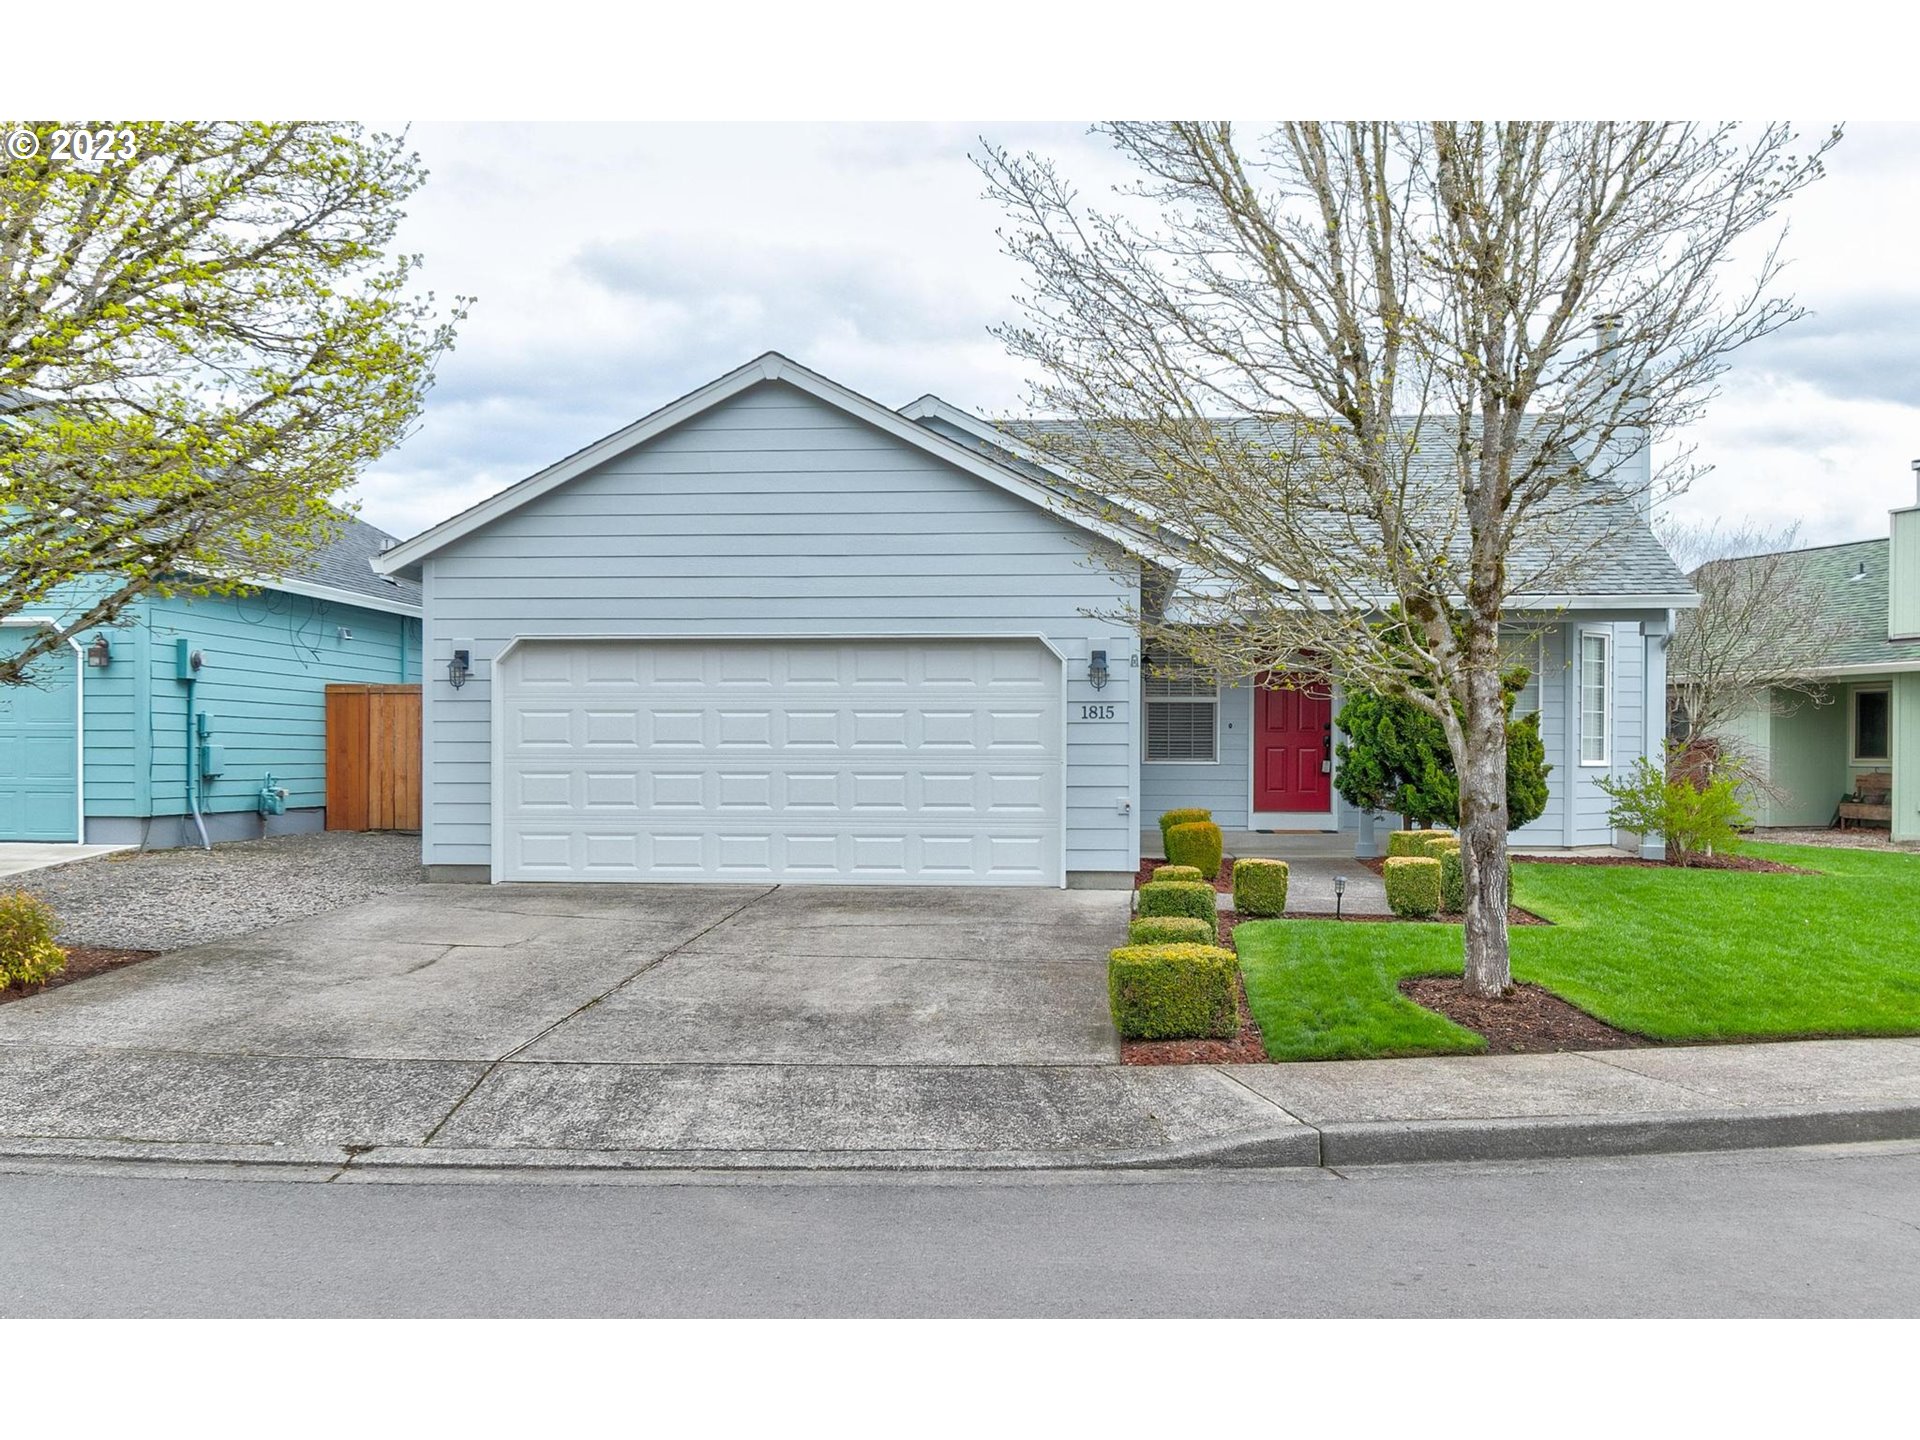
[(1344, 366)]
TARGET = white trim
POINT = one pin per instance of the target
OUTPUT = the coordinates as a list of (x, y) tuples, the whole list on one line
[(327, 592), (768, 367), (31, 622), (496, 827), (1605, 636), (1327, 820), (1853, 725), (1880, 667)]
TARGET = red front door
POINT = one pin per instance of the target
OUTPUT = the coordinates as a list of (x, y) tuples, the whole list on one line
[(1292, 743)]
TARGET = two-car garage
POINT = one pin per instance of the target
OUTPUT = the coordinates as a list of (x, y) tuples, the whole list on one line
[(923, 761)]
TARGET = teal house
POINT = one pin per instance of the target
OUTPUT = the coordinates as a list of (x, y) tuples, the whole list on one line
[(195, 713)]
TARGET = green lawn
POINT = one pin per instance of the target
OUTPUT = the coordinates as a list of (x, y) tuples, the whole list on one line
[(1673, 954)]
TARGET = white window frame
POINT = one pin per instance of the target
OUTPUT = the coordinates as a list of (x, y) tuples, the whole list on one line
[(1148, 701), (1853, 725), (1605, 637)]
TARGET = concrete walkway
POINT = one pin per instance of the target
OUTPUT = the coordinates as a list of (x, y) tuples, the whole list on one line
[(1314, 860), (21, 857)]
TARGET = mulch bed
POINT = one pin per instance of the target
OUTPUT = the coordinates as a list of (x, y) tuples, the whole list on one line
[(1751, 863), (1244, 1049), (83, 962), (1222, 883), (1526, 1021)]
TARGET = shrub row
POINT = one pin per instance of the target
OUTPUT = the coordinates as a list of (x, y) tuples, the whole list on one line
[(1172, 930), (1260, 887), (1194, 898)]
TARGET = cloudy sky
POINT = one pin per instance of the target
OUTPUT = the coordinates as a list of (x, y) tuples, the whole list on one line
[(618, 266)]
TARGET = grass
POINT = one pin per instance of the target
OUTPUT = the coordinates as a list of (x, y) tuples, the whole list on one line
[(1673, 954)]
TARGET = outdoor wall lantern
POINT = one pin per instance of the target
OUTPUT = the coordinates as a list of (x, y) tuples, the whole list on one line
[(99, 653), (458, 668), (1097, 670)]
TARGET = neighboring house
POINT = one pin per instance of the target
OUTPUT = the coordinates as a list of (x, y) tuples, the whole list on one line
[(1868, 723), (102, 751), (777, 631)]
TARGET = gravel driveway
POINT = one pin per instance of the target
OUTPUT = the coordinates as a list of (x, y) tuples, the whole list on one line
[(167, 899)]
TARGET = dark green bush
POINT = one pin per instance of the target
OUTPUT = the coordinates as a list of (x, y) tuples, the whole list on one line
[(1180, 817), (1177, 872), (1260, 887), (1198, 844), (1172, 930), (1173, 992), (1191, 898), (1413, 885), (27, 952)]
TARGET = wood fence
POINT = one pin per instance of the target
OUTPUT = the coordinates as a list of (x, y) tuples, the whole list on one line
[(373, 757)]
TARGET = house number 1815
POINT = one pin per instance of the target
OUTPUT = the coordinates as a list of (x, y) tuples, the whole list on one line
[(1097, 712)]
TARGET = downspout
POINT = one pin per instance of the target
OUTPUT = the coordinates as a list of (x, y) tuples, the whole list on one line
[(79, 742)]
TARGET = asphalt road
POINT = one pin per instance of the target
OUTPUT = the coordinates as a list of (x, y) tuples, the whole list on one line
[(1810, 1232)]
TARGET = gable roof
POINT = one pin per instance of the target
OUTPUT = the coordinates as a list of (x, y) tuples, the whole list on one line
[(343, 571), (404, 559), (1618, 565), (1855, 579)]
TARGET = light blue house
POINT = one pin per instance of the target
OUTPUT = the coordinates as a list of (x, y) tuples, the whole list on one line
[(776, 631), (200, 703)]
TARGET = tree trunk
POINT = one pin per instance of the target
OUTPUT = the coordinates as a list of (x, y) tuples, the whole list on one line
[(1483, 834)]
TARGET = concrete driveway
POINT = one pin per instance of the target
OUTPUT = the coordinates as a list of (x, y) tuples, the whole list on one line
[(664, 1026), (655, 974)]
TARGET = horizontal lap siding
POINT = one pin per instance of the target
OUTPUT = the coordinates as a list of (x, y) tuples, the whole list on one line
[(775, 514), (269, 659), (1221, 787)]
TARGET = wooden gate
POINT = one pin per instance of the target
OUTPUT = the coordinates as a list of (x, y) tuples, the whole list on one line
[(373, 757)]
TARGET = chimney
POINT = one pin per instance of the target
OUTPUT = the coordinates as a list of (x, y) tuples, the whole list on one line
[(1626, 459), (1903, 569)]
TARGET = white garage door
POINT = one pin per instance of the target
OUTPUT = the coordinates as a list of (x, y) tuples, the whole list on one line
[(922, 762)]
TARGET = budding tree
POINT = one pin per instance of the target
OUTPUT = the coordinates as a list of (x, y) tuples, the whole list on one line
[(1762, 629), (203, 338), (1374, 383)]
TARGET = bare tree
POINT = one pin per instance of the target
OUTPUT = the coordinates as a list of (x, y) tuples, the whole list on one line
[(1376, 380), (1763, 627)]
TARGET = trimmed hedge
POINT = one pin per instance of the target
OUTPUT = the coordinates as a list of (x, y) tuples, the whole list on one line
[(1181, 817), (1453, 882), (1173, 992), (1192, 898), (1409, 842), (1198, 844), (1172, 930), (1436, 841), (27, 952), (1177, 872), (1413, 884), (1260, 887)]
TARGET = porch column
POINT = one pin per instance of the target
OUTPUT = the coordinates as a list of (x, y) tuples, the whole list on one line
[(1653, 728)]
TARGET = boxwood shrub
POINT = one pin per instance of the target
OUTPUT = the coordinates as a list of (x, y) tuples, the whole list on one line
[(1197, 843), (1409, 842), (1192, 898), (1180, 817), (1260, 887), (1453, 881), (1177, 872), (27, 952), (1436, 841), (1413, 884), (1173, 992), (1172, 930)]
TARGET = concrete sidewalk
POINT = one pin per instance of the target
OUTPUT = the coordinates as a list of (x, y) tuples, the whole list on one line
[(392, 1117)]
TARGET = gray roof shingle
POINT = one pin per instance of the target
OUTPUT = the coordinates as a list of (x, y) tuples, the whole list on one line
[(1854, 577)]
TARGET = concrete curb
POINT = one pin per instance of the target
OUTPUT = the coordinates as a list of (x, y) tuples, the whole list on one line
[(1332, 1145)]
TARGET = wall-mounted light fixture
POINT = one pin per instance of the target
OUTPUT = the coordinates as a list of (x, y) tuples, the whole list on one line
[(1097, 670), (100, 652), (459, 668)]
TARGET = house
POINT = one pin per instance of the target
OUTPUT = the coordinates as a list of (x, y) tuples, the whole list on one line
[(778, 631), (224, 690), (1865, 730)]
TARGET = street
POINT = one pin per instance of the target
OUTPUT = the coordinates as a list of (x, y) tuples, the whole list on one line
[(1831, 1231)]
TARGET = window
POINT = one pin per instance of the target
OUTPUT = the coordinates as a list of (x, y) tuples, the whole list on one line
[(1183, 711), (1870, 727), (1530, 650), (1596, 703)]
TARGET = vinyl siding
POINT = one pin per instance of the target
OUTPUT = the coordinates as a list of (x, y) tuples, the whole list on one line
[(1221, 787), (268, 660), (776, 514)]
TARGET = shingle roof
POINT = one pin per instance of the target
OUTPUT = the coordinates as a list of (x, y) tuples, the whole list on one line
[(345, 565), (1584, 546), (1854, 578)]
